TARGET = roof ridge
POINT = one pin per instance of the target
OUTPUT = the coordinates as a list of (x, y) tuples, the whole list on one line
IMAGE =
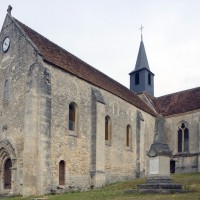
[(59, 57), (179, 102), (16, 22), (75, 56), (177, 92), (49, 40)]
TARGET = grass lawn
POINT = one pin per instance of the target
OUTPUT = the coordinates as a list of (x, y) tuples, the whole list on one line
[(115, 191)]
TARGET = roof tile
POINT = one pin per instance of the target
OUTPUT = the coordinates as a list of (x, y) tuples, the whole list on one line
[(176, 103), (61, 58)]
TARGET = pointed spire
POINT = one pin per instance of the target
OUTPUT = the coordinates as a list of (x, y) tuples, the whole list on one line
[(141, 78), (142, 61)]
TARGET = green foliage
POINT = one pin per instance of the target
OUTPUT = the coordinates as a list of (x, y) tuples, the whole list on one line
[(115, 191)]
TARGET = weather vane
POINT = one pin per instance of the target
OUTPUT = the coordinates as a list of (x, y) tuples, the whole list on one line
[(141, 31)]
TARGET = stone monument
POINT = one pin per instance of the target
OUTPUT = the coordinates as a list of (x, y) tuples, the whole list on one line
[(159, 180)]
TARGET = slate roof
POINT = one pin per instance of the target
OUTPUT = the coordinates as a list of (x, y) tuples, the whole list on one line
[(59, 57), (176, 103), (141, 61)]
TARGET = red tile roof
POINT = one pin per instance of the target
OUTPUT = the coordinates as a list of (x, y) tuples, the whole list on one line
[(57, 56), (176, 103)]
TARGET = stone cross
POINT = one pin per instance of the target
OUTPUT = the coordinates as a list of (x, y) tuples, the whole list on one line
[(9, 9)]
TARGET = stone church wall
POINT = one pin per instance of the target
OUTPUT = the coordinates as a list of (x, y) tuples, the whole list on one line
[(185, 161), (34, 127), (77, 148), (123, 162), (73, 147), (34, 122), (14, 65)]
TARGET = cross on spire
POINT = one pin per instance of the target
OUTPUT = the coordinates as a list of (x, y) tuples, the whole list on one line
[(141, 31), (9, 9)]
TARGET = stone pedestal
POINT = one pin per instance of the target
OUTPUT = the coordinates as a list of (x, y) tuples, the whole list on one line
[(159, 180), (159, 166)]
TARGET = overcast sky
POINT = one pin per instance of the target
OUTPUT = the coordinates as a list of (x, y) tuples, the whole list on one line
[(105, 34)]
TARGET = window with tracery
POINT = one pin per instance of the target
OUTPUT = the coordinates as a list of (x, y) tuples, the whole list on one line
[(183, 138)]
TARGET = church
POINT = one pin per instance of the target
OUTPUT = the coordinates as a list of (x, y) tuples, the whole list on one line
[(66, 126)]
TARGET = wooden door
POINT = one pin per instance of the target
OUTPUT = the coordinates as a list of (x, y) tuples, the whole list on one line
[(62, 172)]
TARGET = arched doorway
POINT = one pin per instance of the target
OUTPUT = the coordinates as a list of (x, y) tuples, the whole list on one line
[(7, 174), (8, 169), (62, 172)]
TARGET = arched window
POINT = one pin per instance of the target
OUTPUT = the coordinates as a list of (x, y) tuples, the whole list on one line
[(6, 90), (183, 138), (107, 129), (128, 136), (7, 174), (62, 172), (73, 116)]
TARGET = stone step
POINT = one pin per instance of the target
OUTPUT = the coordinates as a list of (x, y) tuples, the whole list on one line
[(155, 191), (161, 191), (39, 198), (5, 195), (166, 186)]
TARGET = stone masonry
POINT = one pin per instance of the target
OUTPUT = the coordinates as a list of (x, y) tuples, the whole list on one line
[(38, 85)]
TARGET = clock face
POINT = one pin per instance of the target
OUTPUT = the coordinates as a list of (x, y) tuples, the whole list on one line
[(6, 44)]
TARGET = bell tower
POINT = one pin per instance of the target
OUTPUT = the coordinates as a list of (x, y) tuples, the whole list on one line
[(141, 78)]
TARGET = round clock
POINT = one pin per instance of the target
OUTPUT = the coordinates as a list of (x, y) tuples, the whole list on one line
[(6, 44)]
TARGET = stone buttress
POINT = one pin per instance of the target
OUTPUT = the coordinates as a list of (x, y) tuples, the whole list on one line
[(37, 139), (98, 140)]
